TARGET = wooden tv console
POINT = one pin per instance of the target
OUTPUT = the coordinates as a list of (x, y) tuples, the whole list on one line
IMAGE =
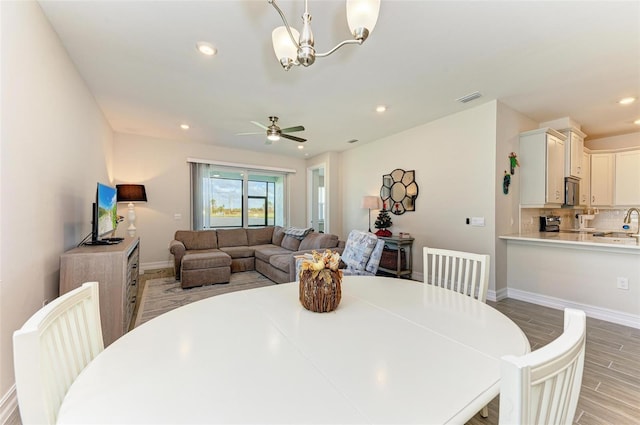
[(115, 267)]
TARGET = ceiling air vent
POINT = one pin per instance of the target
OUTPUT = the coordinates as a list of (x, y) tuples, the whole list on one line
[(469, 97)]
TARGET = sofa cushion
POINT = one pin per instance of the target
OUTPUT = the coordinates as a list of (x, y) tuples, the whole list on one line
[(238, 251), (232, 237), (264, 252), (197, 239), (290, 243), (281, 262), (259, 236), (358, 249), (278, 235), (205, 260), (318, 241)]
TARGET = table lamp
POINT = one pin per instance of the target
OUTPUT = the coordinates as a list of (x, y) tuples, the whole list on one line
[(131, 193), (371, 203)]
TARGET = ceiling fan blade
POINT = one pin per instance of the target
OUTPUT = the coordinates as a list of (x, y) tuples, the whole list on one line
[(292, 129), (259, 125), (297, 139), (248, 134)]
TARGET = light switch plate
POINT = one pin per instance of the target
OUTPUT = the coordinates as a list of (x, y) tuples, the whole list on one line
[(477, 221)]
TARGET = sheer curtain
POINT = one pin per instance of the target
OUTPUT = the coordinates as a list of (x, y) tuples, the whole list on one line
[(200, 196)]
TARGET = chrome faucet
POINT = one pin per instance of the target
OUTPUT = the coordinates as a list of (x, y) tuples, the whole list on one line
[(627, 218)]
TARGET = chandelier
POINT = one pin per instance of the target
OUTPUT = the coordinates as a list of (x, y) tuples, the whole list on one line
[(294, 49)]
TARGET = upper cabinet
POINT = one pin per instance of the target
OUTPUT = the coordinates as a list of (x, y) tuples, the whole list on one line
[(585, 182), (627, 178), (602, 169), (574, 148), (542, 162)]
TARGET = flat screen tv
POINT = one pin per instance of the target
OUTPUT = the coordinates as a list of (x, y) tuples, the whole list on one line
[(105, 214)]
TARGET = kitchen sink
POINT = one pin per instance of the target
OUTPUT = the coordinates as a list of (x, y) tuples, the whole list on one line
[(624, 238), (614, 234)]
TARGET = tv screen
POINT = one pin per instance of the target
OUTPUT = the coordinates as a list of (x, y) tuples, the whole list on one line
[(107, 210)]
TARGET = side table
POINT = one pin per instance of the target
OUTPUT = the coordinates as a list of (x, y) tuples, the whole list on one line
[(399, 244)]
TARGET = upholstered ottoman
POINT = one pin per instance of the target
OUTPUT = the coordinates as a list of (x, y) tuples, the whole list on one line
[(205, 268)]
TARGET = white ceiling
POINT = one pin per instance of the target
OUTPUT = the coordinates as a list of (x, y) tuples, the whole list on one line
[(547, 60)]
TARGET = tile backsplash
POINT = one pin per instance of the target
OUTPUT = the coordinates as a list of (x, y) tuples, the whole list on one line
[(604, 219)]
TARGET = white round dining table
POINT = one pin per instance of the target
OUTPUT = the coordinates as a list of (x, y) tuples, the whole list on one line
[(394, 351)]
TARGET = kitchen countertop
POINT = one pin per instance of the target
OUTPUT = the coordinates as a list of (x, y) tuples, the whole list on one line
[(578, 239)]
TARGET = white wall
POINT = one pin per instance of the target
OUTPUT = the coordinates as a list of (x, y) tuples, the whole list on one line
[(55, 146), (614, 142), (161, 165), (509, 125), (454, 161), (576, 276)]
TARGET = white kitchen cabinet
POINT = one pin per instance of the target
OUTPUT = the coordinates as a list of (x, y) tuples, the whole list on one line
[(602, 168), (627, 178), (574, 149), (542, 161), (585, 181)]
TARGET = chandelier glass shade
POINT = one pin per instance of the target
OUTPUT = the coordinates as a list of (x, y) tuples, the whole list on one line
[(293, 48)]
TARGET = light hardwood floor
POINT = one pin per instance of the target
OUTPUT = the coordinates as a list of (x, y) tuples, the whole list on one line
[(610, 391)]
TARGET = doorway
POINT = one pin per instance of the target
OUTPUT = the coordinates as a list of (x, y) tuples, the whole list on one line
[(317, 198)]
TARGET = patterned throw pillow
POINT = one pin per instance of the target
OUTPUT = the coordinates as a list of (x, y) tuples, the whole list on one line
[(358, 249)]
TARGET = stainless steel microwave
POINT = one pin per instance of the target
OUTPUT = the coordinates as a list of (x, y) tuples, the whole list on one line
[(571, 191)]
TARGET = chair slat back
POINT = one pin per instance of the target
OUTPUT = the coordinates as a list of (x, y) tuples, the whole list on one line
[(543, 387), (52, 348), (463, 272)]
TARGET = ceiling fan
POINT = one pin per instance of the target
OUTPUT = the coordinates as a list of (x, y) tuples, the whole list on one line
[(274, 133)]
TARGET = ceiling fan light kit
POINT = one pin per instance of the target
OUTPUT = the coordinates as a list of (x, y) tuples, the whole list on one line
[(274, 132), (294, 49)]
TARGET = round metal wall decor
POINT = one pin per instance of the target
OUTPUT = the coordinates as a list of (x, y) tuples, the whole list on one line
[(399, 191)]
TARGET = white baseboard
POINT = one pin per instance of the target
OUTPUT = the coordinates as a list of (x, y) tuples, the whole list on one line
[(501, 294), (155, 265), (614, 316), (9, 407)]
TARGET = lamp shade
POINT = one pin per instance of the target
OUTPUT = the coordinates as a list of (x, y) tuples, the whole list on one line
[(282, 44), (362, 14), (370, 202), (131, 193)]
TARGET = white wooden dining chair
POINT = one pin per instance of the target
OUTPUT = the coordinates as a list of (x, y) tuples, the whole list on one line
[(543, 387), (52, 348), (463, 272)]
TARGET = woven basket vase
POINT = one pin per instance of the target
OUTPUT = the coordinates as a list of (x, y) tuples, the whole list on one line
[(316, 294)]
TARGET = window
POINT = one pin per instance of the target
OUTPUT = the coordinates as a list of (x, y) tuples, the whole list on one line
[(233, 197)]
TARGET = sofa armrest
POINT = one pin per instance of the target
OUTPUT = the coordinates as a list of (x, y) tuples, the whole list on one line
[(178, 250)]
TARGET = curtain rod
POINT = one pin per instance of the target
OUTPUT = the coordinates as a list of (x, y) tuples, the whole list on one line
[(239, 165)]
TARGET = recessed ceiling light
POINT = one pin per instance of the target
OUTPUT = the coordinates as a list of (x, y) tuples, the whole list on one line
[(300, 147), (206, 48), (381, 108), (637, 121), (184, 126), (627, 100)]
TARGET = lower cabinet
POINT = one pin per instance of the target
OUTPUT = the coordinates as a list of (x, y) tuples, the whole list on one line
[(115, 268)]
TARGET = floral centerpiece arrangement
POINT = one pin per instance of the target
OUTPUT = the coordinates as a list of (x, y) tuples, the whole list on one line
[(320, 281)]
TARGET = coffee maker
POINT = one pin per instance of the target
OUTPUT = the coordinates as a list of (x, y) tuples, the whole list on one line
[(550, 223)]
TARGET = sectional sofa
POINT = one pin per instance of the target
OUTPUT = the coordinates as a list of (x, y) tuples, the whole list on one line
[(203, 257)]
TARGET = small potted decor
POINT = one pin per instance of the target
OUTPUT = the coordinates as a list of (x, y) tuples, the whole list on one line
[(383, 222), (320, 282), (513, 163)]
